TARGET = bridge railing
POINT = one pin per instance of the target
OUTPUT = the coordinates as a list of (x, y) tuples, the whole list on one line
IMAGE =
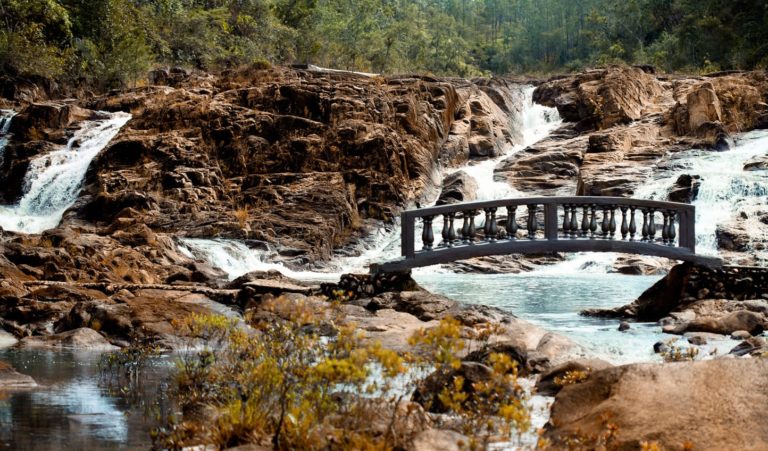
[(551, 224)]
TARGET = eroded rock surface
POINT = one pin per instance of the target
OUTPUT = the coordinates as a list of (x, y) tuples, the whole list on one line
[(713, 404)]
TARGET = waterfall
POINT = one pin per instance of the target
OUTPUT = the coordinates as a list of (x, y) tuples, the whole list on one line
[(53, 180), (536, 122), (725, 187), (5, 125), (235, 258)]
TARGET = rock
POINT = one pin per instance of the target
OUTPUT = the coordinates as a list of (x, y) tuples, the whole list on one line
[(83, 338), (703, 106), (11, 380), (758, 163), (640, 265), (623, 326), (547, 385), (458, 187), (601, 98), (428, 392), (753, 323), (660, 347), (685, 189), (696, 339), (752, 345), (439, 440), (740, 335), (653, 403), (422, 304)]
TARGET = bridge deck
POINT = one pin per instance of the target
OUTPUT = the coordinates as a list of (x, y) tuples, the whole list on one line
[(563, 230)]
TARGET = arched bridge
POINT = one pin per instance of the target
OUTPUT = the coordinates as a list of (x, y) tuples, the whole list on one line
[(547, 224)]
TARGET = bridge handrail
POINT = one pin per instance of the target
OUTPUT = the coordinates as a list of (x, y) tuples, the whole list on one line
[(683, 214)]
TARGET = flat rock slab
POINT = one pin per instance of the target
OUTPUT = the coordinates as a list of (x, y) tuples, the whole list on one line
[(82, 338), (10, 379), (278, 286), (712, 404)]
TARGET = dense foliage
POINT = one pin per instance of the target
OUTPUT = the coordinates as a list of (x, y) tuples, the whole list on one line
[(112, 42)]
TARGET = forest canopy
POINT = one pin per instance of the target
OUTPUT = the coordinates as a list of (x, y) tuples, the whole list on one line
[(114, 42)]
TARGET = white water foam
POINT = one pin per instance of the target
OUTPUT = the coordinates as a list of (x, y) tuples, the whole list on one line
[(53, 180), (726, 188), (536, 122)]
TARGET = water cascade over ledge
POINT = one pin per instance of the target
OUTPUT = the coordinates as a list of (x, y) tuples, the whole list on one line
[(725, 188), (536, 122), (53, 180)]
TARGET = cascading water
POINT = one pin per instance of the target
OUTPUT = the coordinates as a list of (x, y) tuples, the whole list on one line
[(536, 123), (53, 180), (5, 125), (235, 258), (725, 187)]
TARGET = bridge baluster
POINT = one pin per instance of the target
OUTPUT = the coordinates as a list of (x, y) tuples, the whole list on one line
[(632, 224), (566, 219), (605, 225), (446, 241), (665, 227), (489, 228), (593, 221), (574, 222), (612, 222), (652, 224), (472, 231), (512, 222), (494, 228), (672, 232), (533, 223), (451, 229), (624, 226), (585, 220), (427, 235), (645, 224), (465, 227)]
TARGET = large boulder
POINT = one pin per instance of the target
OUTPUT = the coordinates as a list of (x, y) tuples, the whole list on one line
[(458, 187), (601, 98), (10, 379), (713, 404)]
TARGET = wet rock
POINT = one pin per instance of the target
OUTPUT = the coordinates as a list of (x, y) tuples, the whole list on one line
[(660, 347), (759, 163), (548, 385), (428, 392), (11, 380), (653, 402), (740, 335), (750, 346), (82, 338), (439, 440), (685, 189), (623, 326), (458, 187)]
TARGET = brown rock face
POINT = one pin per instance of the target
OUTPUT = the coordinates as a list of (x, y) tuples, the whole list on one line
[(600, 99), (713, 404), (292, 157)]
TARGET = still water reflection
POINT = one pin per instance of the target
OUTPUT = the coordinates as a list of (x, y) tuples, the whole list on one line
[(71, 409)]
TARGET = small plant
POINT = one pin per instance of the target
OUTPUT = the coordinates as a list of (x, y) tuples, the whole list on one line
[(274, 380), (572, 377), (241, 214), (678, 353)]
